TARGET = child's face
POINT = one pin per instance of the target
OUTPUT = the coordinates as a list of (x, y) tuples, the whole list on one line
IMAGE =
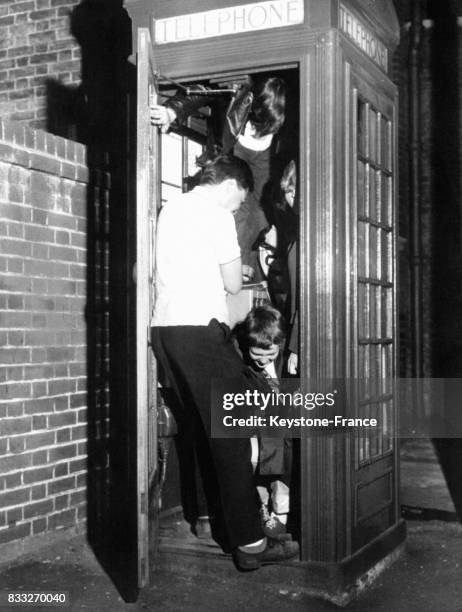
[(261, 357)]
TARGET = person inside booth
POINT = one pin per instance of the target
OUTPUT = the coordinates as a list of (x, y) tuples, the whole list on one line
[(279, 256), (253, 116)]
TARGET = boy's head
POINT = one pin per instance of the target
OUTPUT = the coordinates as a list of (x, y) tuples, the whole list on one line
[(264, 333), (231, 179)]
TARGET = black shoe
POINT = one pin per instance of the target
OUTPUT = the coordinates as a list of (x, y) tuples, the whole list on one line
[(274, 552)]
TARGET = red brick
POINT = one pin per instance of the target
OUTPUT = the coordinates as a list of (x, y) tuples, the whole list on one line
[(60, 485), (39, 422), (20, 7), (62, 469), (46, 165), (42, 189), (13, 516), (39, 234), (15, 409), (38, 406), (17, 444), (16, 338), (39, 526), (58, 387), (62, 519), (63, 435), (15, 230), (15, 426), (15, 533), (39, 389), (61, 502), (12, 481), (16, 266), (61, 403), (61, 419), (78, 399), (16, 247), (37, 440), (16, 212), (62, 452), (63, 253), (14, 498), (16, 302), (62, 221), (37, 475), (38, 491), (38, 509), (78, 465), (15, 462), (60, 354), (15, 391), (15, 319), (40, 457), (40, 216), (14, 355)]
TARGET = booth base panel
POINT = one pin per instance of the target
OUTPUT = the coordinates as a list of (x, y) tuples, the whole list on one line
[(341, 583)]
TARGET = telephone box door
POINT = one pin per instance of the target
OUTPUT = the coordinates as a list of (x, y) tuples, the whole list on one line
[(147, 160)]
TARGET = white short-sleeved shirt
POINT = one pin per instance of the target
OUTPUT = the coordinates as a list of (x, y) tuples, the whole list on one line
[(195, 236)]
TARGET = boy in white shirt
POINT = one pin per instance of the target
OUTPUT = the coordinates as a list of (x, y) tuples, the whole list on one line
[(197, 262)]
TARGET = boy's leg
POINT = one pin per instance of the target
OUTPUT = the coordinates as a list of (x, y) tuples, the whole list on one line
[(280, 500), (197, 355)]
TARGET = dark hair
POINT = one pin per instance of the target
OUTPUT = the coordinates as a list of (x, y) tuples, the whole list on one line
[(263, 327), (267, 114), (226, 167)]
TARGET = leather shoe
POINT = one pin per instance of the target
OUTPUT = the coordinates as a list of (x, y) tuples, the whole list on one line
[(275, 552)]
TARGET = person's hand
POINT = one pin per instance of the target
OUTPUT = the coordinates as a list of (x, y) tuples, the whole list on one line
[(292, 363), (247, 273), (162, 117)]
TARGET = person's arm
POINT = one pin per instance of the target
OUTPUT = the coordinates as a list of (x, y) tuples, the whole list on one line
[(231, 273), (178, 108)]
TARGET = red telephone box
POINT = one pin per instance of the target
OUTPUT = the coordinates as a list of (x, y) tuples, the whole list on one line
[(337, 58)]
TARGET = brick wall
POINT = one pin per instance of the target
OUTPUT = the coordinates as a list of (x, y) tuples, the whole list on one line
[(36, 47), (43, 181)]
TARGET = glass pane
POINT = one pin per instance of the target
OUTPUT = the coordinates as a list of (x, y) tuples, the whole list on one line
[(375, 432), (373, 135), (363, 311), (363, 248), (373, 251), (387, 368), (373, 311), (385, 140), (388, 316), (361, 189), (372, 195), (377, 332), (363, 373), (362, 128), (172, 155), (385, 187)]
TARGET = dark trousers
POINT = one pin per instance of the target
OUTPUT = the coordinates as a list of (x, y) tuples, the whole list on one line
[(191, 357)]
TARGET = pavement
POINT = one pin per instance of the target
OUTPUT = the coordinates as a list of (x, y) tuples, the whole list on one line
[(425, 578)]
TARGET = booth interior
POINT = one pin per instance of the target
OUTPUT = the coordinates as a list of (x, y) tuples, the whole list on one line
[(184, 149)]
